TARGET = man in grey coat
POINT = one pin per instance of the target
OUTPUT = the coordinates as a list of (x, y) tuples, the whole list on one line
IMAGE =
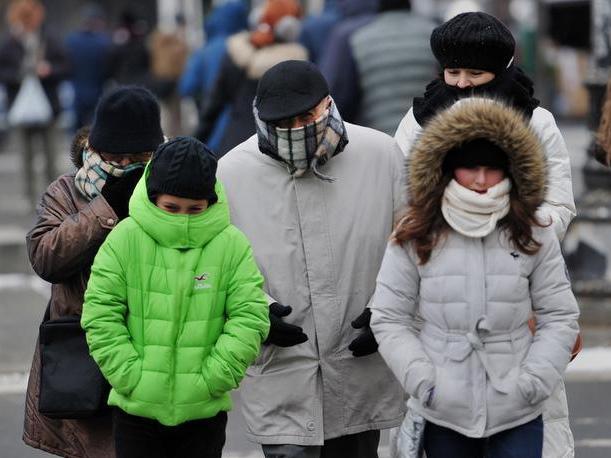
[(317, 198)]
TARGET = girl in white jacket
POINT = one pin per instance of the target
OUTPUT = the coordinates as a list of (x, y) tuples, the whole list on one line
[(473, 259), (476, 53)]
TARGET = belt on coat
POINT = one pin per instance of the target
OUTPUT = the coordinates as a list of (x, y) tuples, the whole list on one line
[(462, 344)]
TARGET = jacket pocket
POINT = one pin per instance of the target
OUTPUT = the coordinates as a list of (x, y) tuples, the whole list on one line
[(266, 353), (136, 376)]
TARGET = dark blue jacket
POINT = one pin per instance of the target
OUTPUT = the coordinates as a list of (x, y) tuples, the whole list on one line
[(204, 64), (337, 62), (88, 53)]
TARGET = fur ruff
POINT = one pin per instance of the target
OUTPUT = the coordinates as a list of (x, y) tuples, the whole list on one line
[(467, 120), (78, 144)]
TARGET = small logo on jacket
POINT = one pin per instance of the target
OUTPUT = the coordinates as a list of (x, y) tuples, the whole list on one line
[(200, 281), (514, 255)]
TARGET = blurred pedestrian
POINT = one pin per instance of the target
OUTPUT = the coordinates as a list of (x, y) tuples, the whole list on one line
[(317, 198), (249, 55), (169, 52), (130, 60), (88, 50), (30, 51), (74, 216), (337, 61), (393, 64), (204, 64), (476, 52), (466, 268), (172, 368), (316, 29)]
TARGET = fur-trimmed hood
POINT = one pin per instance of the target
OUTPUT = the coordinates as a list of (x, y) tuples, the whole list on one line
[(467, 120), (78, 144)]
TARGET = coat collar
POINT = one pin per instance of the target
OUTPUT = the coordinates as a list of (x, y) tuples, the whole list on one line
[(178, 231)]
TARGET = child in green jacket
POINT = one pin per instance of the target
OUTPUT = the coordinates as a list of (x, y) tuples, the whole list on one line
[(174, 310)]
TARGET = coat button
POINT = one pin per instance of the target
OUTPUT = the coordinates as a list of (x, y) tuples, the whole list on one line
[(110, 221), (310, 425)]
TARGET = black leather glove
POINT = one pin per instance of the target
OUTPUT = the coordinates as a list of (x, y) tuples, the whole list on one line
[(281, 333), (365, 344), (117, 191)]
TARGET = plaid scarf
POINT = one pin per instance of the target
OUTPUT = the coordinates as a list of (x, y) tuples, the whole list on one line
[(305, 147), (92, 176)]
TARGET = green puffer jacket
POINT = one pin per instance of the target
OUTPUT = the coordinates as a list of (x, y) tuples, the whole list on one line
[(174, 311)]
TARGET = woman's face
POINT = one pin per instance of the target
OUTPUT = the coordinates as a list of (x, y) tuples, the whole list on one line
[(180, 205), (478, 179), (466, 77)]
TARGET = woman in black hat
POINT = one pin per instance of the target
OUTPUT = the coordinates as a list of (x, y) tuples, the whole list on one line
[(74, 216), (476, 53)]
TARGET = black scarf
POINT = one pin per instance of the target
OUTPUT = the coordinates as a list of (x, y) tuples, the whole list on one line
[(512, 86)]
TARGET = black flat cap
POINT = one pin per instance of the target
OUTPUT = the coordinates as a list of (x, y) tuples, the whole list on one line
[(288, 89)]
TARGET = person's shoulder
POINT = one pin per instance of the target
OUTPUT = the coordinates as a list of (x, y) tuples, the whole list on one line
[(542, 117), (237, 156), (545, 233), (234, 241), (364, 133), (366, 140), (127, 227), (62, 185)]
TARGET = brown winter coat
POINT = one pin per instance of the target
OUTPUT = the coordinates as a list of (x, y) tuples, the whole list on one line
[(68, 232)]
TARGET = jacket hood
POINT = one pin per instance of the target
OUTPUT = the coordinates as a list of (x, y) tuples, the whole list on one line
[(227, 19), (467, 120), (349, 8), (178, 231), (76, 147)]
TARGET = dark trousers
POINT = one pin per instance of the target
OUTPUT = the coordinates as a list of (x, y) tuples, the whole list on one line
[(137, 437), (30, 155), (360, 445), (524, 441)]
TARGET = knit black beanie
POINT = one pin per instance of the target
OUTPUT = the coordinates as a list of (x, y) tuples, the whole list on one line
[(480, 152), (473, 40), (126, 121), (183, 167)]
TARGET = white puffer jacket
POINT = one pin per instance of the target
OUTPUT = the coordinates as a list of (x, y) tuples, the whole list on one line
[(475, 118), (475, 297)]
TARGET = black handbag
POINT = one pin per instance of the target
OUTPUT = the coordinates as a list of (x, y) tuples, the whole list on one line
[(71, 384)]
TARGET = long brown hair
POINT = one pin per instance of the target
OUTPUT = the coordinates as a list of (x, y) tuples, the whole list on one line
[(424, 225)]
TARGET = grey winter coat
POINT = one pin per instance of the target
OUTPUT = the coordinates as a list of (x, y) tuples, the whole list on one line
[(319, 246), (475, 295)]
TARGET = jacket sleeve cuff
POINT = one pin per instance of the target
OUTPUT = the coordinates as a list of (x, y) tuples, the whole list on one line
[(104, 213), (531, 389), (419, 379)]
